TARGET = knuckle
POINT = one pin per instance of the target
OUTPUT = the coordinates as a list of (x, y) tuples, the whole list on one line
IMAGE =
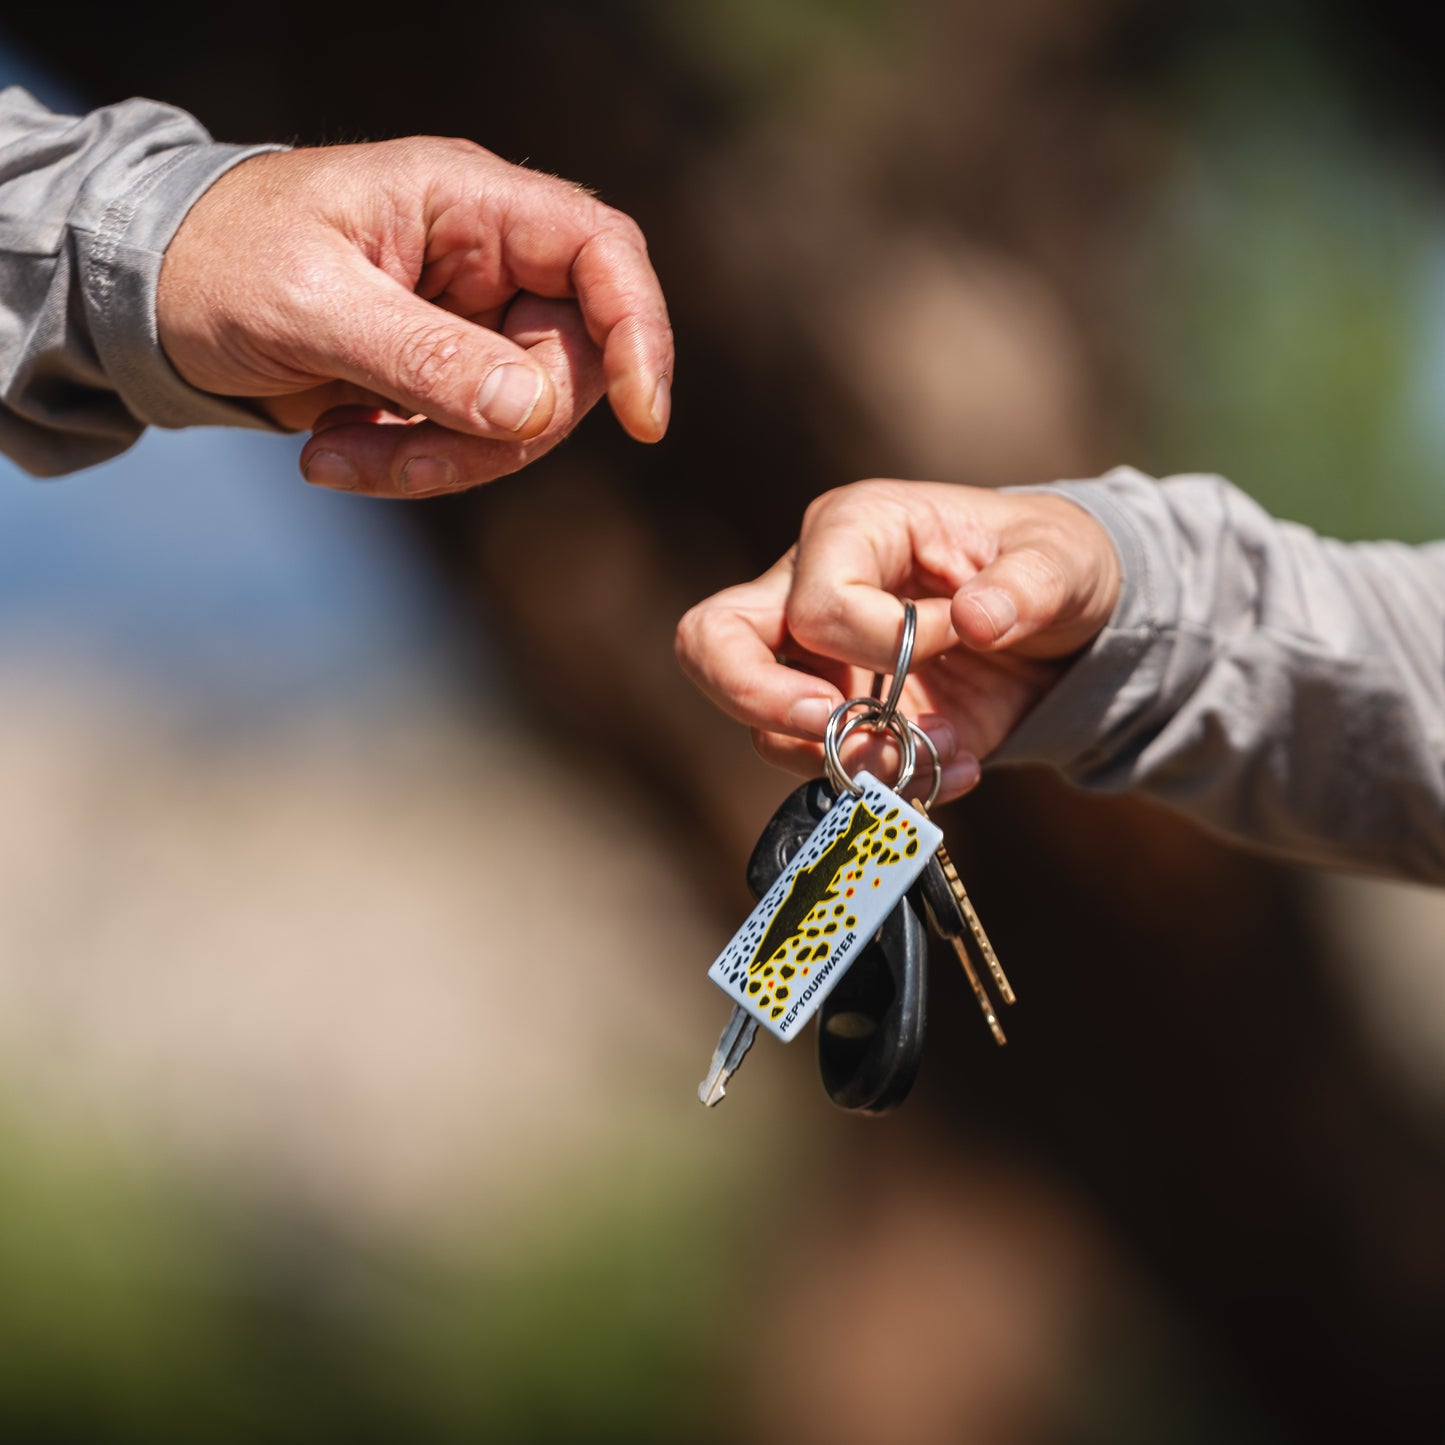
[(825, 502), (426, 357), (1047, 574), (619, 228), (696, 637), (685, 638), (817, 617), (1040, 576), (443, 150)]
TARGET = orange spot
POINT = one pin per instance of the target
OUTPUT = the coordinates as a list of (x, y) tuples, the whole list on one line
[(875, 882)]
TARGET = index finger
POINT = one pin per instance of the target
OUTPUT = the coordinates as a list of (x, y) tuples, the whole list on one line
[(728, 645), (622, 300), (567, 243)]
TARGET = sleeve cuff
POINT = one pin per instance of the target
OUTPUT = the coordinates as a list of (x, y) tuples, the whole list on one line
[(120, 258)]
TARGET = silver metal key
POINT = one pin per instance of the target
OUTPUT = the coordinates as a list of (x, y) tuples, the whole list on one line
[(737, 1039), (788, 829)]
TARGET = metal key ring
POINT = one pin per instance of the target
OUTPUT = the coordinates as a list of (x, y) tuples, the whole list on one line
[(832, 756), (837, 732), (888, 710), (933, 787)]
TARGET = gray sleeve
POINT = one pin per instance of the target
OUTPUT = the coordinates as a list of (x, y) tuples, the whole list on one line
[(1284, 688), (87, 207)]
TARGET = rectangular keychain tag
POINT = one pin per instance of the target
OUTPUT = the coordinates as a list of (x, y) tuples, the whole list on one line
[(826, 905)]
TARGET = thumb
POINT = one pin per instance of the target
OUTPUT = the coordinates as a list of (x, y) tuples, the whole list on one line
[(466, 377), (1024, 600)]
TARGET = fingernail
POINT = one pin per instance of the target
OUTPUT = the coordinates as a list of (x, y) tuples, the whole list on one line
[(509, 395), (331, 469), (428, 474), (998, 607), (960, 776), (662, 404), (808, 717)]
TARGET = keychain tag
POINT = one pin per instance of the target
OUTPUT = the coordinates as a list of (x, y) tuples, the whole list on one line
[(825, 906)]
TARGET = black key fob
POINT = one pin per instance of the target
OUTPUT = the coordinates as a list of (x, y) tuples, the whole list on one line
[(871, 1027), (788, 829)]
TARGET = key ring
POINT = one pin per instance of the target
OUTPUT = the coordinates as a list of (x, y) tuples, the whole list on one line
[(837, 732), (882, 716), (889, 709), (926, 805)]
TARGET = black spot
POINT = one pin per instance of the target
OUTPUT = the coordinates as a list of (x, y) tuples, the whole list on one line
[(782, 991), (755, 985), (787, 970), (912, 847)]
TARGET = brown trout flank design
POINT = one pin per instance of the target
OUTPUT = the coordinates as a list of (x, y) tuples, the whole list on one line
[(817, 910)]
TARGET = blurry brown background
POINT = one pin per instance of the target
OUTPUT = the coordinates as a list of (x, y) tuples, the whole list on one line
[(362, 864)]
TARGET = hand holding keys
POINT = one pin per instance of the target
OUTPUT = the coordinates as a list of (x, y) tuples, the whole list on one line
[(839, 922)]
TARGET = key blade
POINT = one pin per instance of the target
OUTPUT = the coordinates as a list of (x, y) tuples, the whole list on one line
[(975, 927), (995, 968), (984, 1002), (737, 1038)]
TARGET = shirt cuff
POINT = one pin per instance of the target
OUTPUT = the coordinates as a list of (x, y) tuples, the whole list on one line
[(120, 262)]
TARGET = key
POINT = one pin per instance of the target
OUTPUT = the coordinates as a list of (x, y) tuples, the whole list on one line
[(787, 830), (737, 1038), (952, 914), (846, 864)]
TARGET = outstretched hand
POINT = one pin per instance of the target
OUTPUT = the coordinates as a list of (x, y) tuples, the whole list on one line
[(1007, 585), (438, 315)]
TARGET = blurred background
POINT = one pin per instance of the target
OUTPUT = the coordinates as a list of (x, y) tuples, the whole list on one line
[(362, 864)]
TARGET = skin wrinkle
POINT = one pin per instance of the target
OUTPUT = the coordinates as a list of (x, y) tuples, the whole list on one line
[(426, 357)]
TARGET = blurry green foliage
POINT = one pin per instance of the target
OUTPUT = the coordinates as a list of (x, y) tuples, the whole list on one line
[(1291, 278), (133, 1309)]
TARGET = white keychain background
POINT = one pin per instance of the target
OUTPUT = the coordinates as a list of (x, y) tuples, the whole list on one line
[(892, 843)]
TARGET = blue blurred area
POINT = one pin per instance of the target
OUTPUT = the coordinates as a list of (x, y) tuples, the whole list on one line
[(201, 564)]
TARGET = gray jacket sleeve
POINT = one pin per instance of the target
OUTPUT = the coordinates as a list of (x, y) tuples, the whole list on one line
[(1284, 688), (87, 207)]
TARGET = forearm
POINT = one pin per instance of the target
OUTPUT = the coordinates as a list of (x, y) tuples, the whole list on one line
[(1282, 687), (87, 207)]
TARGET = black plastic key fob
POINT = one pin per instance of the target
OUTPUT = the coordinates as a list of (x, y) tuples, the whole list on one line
[(788, 829), (871, 1027)]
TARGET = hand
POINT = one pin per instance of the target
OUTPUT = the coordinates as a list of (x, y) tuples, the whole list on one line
[(463, 313), (1007, 585)]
